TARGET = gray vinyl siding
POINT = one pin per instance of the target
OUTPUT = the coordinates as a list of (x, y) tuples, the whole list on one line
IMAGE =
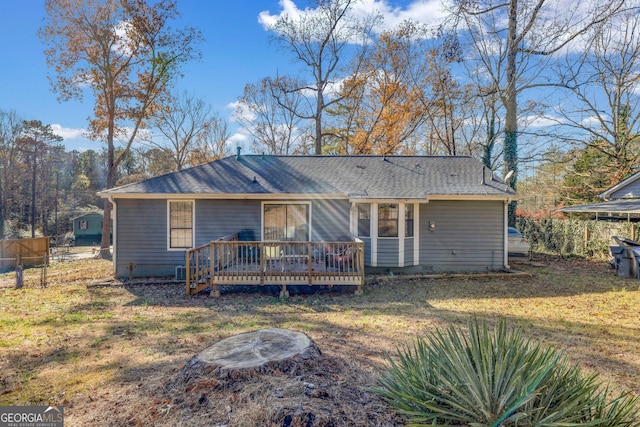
[(408, 251), (330, 220), (388, 250), (630, 191), (142, 239), (219, 218), (142, 229), (468, 235), (367, 250)]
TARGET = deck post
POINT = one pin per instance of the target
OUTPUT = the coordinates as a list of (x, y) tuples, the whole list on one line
[(262, 263), (360, 288), (309, 261), (215, 292), (188, 273), (284, 293)]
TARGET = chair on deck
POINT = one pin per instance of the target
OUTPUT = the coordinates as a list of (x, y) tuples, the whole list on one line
[(340, 257), (272, 254)]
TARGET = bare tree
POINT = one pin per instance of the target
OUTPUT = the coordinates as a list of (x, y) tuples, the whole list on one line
[(320, 39), (604, 81), (212, 143), (127, 54), (274, 127), (515, 41), (183, 122)]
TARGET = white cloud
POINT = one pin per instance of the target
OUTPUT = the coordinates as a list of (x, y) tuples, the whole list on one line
[(540, 121), (68, 133), (238, 139), (428, 12), (288, 8), (240, 110), (593, 121)]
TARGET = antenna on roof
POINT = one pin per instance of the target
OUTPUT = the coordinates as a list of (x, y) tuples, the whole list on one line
[(508, 175)]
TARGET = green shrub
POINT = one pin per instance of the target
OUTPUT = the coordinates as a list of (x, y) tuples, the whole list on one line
[(585, 238), (497, 377)]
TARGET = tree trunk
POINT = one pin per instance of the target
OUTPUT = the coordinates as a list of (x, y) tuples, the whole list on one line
[(511, 107), (318, 122), (1, 210), (105, 242), (33, 190)]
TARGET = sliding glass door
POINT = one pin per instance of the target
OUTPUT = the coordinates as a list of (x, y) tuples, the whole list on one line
[(286, 222)]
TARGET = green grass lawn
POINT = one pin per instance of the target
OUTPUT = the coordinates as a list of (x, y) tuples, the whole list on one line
[(108, 351)]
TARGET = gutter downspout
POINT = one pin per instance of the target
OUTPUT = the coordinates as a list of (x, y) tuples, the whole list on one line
[(114, 214), (505, 232)]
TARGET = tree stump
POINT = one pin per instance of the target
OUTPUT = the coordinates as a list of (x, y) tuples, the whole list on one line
[(252, 353)]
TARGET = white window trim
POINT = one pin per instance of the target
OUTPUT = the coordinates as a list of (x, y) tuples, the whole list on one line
[(401, 229), (355, 220), (193, 224), (286, 202), (378, 217), (374, 234)]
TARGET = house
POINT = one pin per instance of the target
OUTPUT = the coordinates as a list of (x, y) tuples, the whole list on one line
[(408, 213), (621, 202), (87, 228)]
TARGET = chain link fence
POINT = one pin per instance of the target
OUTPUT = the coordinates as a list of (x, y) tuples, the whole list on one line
[(584, 238)]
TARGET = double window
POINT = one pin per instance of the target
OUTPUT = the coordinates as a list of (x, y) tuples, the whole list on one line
[(180, 225), (388, 219), (286, 222)]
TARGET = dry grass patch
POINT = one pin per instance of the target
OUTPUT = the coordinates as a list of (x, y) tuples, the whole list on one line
[(109, 353)]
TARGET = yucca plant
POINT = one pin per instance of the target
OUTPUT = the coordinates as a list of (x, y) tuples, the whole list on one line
[(497, 377)]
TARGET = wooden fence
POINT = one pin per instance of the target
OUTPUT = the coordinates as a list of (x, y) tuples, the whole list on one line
[(28, 252)]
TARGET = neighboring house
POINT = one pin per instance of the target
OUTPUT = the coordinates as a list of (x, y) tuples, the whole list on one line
[(413, 213), (621, 202), (87, 229)]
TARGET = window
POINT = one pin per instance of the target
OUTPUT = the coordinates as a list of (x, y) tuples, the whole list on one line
[(408, 220), (388, 220), (180, 225), (364, 219), (284, 222), (83, 224)]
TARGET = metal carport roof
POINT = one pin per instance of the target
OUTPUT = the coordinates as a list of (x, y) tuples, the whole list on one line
[(620, 206)]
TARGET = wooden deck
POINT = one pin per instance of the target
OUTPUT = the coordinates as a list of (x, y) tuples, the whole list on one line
[(228, 261)]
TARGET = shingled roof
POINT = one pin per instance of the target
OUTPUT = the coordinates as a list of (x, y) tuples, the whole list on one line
[(361, 177)]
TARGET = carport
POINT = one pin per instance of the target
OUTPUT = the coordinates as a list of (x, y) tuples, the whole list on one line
[(620, 210)]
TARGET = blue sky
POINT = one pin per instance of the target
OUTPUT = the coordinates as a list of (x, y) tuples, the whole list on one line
[(236, 51)]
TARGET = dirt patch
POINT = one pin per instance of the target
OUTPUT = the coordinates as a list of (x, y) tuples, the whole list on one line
[(335, 391)]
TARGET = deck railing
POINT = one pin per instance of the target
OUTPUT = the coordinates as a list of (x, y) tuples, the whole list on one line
[(228, 261)]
